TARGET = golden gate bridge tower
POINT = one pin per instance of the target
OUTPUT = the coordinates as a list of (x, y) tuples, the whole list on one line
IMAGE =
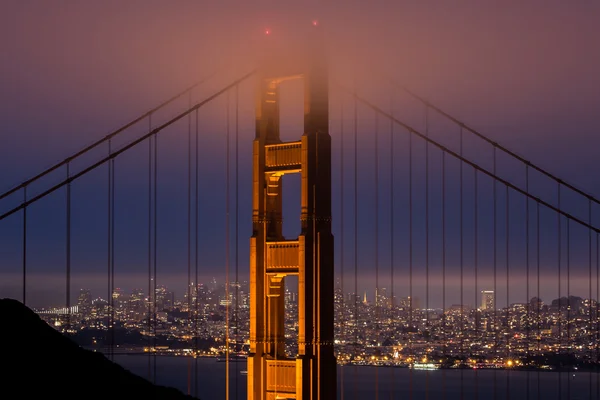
[(312, 373)]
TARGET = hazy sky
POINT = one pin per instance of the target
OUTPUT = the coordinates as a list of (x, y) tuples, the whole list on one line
[(523, 72)]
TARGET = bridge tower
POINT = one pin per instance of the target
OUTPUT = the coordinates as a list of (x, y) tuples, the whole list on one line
[(312, 373)]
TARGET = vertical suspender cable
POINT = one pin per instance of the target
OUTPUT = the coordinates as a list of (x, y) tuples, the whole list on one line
[(569, 300), (196, 300), (597, 344), (377, 245), (343, 305), (427, 239), (495, 223), (410, 263), (109, 289), (538, 302), (590, 334), (155, 249), (527, 299), (507, 233), (462, 316), (189, 235), (476, 265), (112, 258), (150, 249), (237, 210), (25, 245), (392, 304), (68, 249), (227, 248), (445, 348), (355, 241), (560, 375)]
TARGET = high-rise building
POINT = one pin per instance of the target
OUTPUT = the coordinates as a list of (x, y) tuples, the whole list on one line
[(84, 303), (487, 300)]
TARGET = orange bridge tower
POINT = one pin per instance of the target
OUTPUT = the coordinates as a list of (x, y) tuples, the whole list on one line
[(311, 375)]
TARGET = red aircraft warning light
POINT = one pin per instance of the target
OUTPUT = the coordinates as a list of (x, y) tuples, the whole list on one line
[(267, 31), (315, 23)]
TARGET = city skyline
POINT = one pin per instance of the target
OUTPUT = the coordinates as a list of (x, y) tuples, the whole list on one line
[(215, 284)]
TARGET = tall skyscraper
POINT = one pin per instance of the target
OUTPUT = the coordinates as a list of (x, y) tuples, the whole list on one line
[(487, 300), (84, 303)]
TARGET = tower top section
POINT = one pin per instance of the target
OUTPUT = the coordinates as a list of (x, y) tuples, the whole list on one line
[(286, 56), (283, 60)]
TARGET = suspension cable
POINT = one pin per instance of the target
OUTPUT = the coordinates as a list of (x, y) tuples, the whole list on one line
[(507, 233), (149, 250), (356, 330), (377, 327), (454, 154), (568, 301), (445, 347), (392, 302), (496, 145), (476, 266), (196, 285), (597, 314), (112, 258), (123, 149), (155, 248), (495, 240), (590, 334), (462, 315), (68, 251), (104, 139), (559, 247), (109, 231), (427, 327), (189, 235), (227, 239), (343, 304), (24, 247), (410, 262), (538, 302), (527, 299), (237, 214)]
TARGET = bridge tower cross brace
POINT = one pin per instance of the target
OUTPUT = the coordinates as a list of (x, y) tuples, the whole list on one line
[(311, 375)]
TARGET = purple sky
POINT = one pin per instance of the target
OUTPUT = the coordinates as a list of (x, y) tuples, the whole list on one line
[(522, 72)]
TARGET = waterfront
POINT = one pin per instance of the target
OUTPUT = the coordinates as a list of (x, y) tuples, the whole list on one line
[(363, 382)]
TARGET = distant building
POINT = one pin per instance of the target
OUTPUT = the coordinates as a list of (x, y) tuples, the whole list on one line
[(408, 303), (487, 300), (84, 303)]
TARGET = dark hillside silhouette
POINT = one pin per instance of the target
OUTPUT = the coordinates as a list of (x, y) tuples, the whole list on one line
[(39, 362)]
